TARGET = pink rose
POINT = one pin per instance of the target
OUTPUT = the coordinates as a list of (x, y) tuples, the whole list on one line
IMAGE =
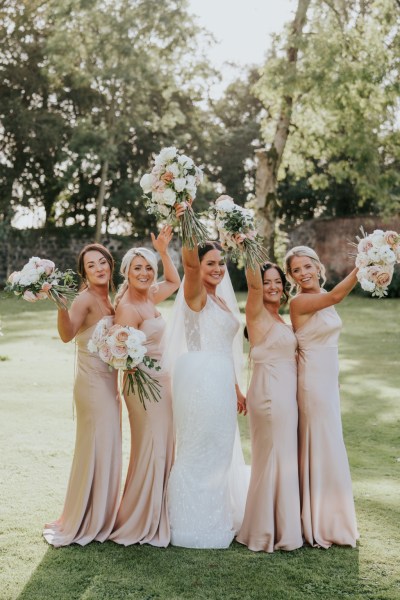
[(46, 286), (105, 353), (364, 245), (47, 265), (119, 351), (167, 177), (391, 238), (30, 296), (373, 273), (41, 295), (383, 278), (121, 336), (14, 277)]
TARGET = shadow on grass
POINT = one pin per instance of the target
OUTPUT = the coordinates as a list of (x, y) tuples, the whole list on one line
[(108, 571)]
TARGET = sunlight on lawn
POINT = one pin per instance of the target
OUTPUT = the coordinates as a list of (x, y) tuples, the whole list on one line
[(37, 438)]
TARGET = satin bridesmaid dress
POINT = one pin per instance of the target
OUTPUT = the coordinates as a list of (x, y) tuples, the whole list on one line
[(142, 515), (327, 505), (93, 491), (272, 516)]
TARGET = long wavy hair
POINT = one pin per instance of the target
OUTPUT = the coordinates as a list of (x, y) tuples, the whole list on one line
[(145, 253), (107, 255), (309, 253)]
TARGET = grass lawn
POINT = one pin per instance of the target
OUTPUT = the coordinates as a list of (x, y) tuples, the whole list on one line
[(37, 438)]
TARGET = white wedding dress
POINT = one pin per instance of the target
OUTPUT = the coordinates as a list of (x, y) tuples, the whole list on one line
[(206, 493)]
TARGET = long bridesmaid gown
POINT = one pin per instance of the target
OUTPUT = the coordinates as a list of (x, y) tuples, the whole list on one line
[(327, 505), (91, 502), (143, 516), (272, 516)]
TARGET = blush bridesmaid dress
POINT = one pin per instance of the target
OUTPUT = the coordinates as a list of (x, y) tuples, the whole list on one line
[(93, 491), (327, 505), (142, 515), (272, 516)]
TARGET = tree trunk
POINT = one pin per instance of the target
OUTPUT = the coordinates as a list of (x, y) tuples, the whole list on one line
[(268, 160), (100, 200)]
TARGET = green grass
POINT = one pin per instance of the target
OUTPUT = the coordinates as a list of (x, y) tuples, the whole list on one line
[(37, 437)]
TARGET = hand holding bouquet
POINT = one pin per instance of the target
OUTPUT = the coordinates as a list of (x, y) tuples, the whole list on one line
[(39, 279), (377, 254), (237, 232), (173, 180), (122, 348)]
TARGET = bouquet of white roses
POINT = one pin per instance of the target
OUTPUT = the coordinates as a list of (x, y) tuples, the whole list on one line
[(377, 254), (39, 279), (122, 348), (237, 232), (174, 180)]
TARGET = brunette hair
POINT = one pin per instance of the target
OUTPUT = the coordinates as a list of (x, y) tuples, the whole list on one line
[(309, 253), (264, 268), (269, 265), (208, 246), (107, 255)]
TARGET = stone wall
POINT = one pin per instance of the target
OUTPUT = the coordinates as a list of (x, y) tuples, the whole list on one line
[(62, 247), (330, 239)]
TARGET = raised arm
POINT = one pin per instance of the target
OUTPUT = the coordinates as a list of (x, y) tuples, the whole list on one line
[(194, 290), (171, 280), (70, 321), (258, 319), (305, 305)]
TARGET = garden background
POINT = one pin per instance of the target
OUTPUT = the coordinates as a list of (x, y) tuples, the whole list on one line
[(90, 90)]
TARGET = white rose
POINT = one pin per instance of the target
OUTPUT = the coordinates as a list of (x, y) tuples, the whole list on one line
[(164, 211), (377, 238), (157, 198), (366, 285), (146, 183), (174, 169), (191, 191), (165, 155), (29, 276), (191, 181), (387, 254), (185, 161), (374, 254), (179, 184), (225, 205), (362, 260), (169, 197)]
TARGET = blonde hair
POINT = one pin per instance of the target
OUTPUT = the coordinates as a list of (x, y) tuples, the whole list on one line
[(309, 253), (145, 253)]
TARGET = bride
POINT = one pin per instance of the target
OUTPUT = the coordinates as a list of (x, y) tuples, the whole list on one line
[(208, 482)]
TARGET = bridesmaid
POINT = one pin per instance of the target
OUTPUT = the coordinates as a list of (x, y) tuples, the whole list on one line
[(91, 502), (142, 515), (272, 516), (327, 505)]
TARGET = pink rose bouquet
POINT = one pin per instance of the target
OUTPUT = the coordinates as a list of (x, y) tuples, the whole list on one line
[(174, 180), (237, 232), (39, 279), (377, 254), (122, 348)]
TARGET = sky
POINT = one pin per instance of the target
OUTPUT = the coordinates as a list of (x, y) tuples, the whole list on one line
[(242, 27)]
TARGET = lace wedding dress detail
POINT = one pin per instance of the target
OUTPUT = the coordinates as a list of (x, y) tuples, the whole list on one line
[(204, 407)]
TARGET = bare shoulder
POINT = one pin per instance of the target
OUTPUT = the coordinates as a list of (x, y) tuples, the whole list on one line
[(83, 301), (127, 314)]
